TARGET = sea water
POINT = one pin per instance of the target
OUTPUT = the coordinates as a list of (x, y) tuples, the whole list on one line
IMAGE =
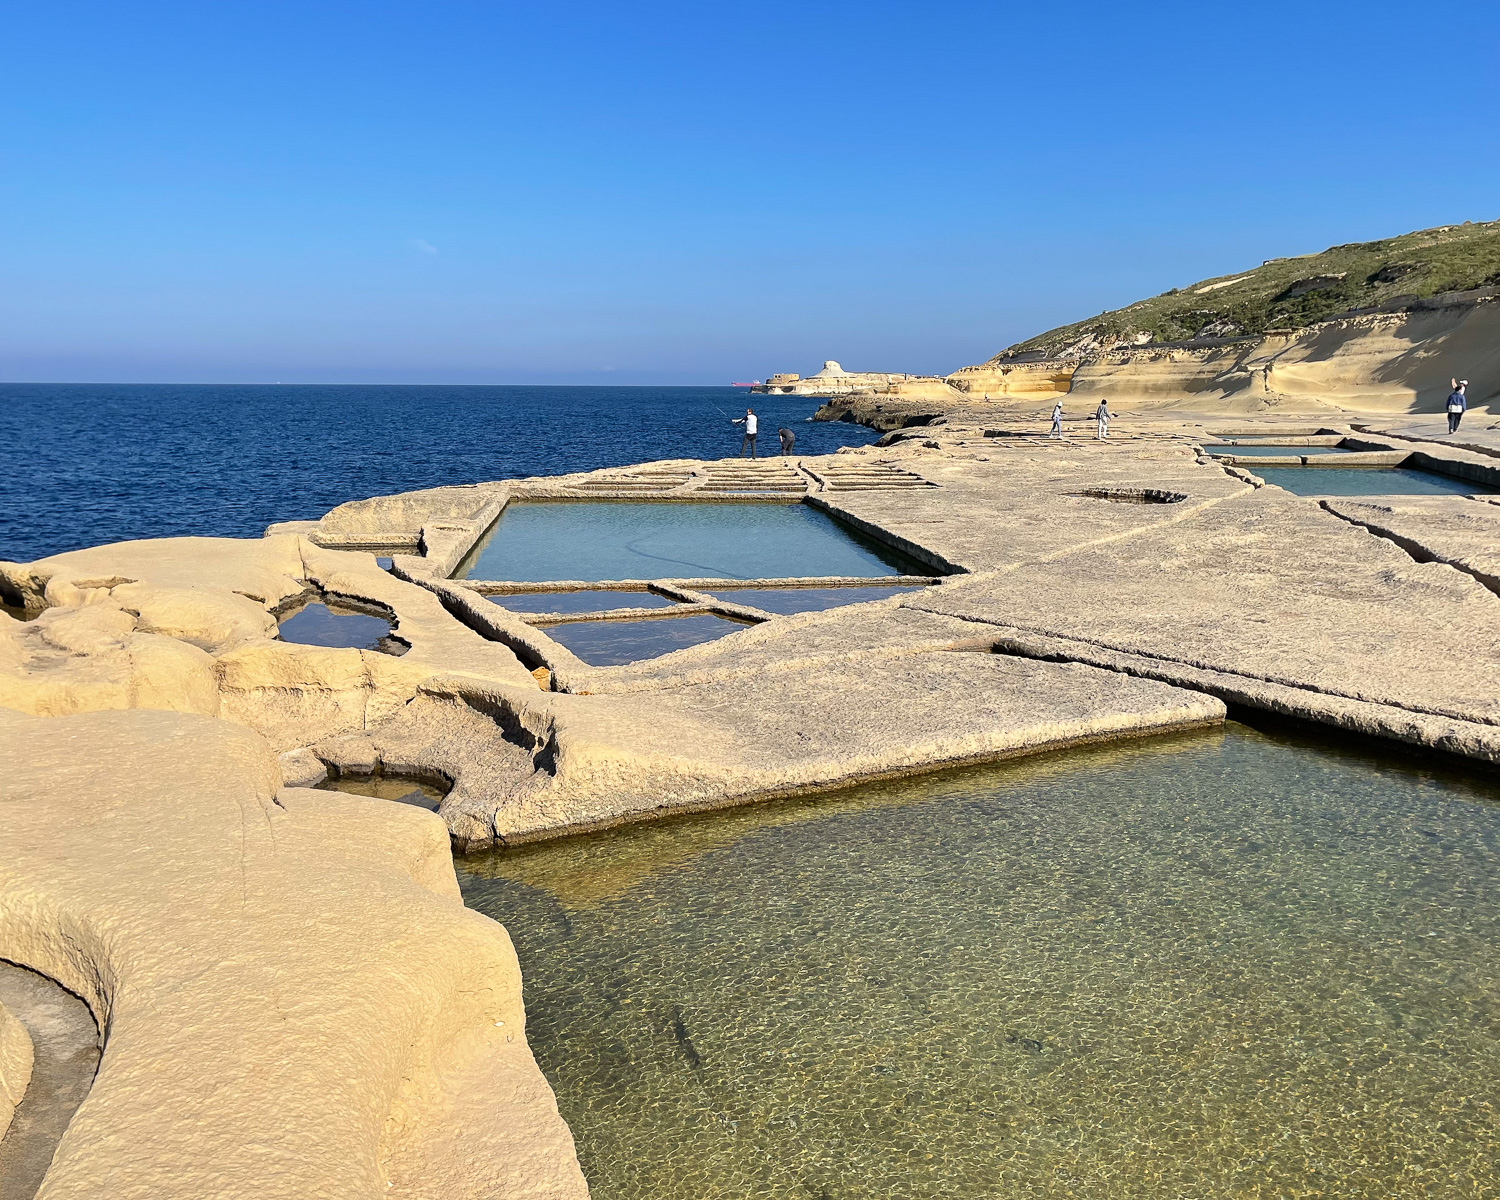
[(84, 464)]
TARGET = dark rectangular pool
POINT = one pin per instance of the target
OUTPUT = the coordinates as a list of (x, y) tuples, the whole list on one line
[(588, 540)]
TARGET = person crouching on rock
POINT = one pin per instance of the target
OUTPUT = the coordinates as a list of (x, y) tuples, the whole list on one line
[(750, 424), (788, 440), (1458, 401), (1102, 414), (1057, 419)]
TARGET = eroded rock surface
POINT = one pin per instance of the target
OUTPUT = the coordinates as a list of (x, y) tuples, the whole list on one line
[(296, 1001)]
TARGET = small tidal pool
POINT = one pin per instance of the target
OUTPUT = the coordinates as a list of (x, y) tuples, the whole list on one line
[(1224, 963), (538, 541)]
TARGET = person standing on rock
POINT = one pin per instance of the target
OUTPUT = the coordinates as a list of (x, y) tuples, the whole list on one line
[(788, 440), (750, 424), (1102, 415), (1057, 419), (1458, 402)]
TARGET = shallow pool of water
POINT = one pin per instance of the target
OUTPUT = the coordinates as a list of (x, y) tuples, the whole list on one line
[(798, 600), (612, 643), (1226, 963), (538, 541), (579, 602), (416, 792), (1368, 481), (1274, 451), (320, 625)]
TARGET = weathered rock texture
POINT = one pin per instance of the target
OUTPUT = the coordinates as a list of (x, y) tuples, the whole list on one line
[(15, 1065), (297, 1002)]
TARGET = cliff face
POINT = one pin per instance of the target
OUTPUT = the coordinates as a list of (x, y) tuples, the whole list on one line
[(1378, 325), (1396, 362)]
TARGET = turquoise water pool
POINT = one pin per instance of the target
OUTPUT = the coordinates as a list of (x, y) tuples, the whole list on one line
[(1221, 964), (539, 541), (1274, 451), (601, 600), (1368, 481)]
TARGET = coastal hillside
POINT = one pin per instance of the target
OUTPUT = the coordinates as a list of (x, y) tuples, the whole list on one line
[(1289, 294), (1377, 326)]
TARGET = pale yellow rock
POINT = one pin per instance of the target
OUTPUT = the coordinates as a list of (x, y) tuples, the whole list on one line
[(72, 660), (92, 629), (267, 570), (15, 1065), (171, 675), (294, 695), (295, 1002), (214, 621)]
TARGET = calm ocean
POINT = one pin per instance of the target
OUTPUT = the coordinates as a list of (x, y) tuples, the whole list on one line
[(82, 464)]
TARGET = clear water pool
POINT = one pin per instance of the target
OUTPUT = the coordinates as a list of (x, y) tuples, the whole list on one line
[(539, 541), (1220, 964), (577, 602), (320, 625), (798, 600), (1368, 481), (612, 643), (1274, 451), (416, 792)]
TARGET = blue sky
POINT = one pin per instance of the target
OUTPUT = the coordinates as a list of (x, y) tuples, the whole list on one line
[(688, 193)]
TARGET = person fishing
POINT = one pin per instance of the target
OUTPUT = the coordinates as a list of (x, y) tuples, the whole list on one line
[(751, 425), (1458, 402), (1102, 415), (788, 440), (1057, 419)]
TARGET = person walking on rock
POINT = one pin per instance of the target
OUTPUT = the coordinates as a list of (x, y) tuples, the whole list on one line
[(1057, 419), (751, 425), (788, 440), (1102, 415), (1458, 402)]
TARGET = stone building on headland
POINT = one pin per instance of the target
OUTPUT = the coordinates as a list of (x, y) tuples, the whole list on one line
[(833, 380), (987, 381)]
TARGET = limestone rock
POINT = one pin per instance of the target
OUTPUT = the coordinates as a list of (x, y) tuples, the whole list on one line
[(15, 1066), (295, 1000)]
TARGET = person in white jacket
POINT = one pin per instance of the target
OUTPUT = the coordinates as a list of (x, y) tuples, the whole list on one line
[(751, 424), (1057, 419)]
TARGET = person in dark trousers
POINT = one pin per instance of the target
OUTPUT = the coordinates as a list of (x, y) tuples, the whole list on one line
[(1458, 402), (788, 440), (1057, 419), (750, 424)]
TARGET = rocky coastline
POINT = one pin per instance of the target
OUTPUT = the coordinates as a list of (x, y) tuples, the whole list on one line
[(287, 975)]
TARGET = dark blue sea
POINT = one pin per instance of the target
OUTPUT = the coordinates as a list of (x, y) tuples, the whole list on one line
[(83, 464)]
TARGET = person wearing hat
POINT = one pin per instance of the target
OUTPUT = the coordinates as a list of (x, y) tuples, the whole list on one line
[(1457, 403)]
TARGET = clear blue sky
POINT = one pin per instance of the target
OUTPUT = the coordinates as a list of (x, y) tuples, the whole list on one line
[(688, 192)]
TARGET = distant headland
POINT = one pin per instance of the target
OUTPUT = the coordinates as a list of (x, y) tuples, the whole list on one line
[(1379, 326)]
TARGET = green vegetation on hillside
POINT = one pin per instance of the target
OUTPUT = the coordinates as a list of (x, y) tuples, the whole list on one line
[(1290, 293)]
